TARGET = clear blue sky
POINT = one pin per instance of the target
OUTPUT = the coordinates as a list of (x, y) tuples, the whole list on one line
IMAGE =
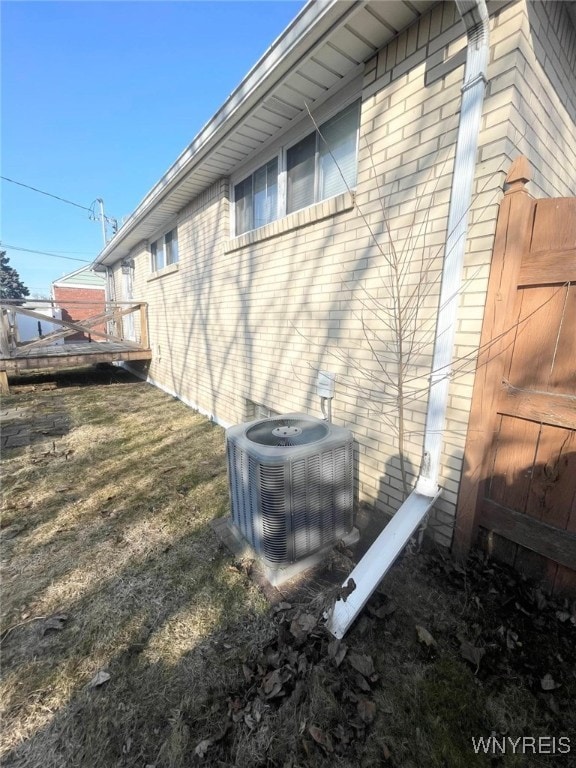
[(98, 100)]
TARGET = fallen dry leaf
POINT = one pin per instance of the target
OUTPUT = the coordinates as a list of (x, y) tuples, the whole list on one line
[(202, 748), (548, 683), (367, 710), (273, 684), (321, 737), (563, 616), (382, 611), (425, 637), (55, 623), (302, 625), (361, 683), (361, 663), (471, 653), (336, 651), (99, 679)]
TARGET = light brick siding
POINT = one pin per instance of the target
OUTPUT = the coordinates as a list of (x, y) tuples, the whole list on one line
[(254, 318), (78, 304), (543, 117)]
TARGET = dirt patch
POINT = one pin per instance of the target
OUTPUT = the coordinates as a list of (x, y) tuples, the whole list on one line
[(131, 638)]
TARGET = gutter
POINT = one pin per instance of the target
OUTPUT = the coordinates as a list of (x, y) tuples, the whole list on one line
[(382, 554)]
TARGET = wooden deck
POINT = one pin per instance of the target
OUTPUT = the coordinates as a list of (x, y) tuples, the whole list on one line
[(70, 355), (104, 332)]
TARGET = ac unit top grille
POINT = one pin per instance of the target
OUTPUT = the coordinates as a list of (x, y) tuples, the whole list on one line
[(284, 432)]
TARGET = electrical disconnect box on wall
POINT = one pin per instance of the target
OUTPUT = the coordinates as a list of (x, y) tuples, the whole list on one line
[(325, 384)]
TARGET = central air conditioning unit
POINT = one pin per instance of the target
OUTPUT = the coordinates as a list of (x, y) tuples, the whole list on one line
[(291, 489)]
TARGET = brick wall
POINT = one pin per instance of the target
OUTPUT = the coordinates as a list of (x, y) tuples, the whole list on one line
[(78, 304), (543, 101), (253, 318)]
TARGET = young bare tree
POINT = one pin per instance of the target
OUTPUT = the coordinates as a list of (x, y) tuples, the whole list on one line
[(399, 324)]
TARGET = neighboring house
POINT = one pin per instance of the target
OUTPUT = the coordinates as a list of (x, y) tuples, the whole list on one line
[(264, 252), (79, 295)]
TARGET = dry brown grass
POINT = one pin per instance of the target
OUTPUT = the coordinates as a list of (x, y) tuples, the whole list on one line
[(109, 527)]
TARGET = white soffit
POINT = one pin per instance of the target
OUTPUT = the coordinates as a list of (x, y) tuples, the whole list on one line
[(325, 45)]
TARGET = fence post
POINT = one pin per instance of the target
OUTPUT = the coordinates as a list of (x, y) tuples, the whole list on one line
[(4, 334), (144, 341)]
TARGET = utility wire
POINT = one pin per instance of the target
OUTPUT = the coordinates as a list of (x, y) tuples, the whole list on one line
[(48, 194), (45, 253)]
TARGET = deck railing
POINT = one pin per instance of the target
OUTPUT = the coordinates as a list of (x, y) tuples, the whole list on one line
[(125, 322)]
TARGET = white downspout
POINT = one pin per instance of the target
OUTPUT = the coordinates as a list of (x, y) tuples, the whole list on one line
[(379, 558), (475, 16)]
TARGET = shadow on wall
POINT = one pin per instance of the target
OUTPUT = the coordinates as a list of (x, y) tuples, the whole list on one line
[(371, 519)]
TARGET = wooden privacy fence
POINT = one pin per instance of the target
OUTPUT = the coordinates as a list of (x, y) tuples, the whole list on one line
[(518, 492)]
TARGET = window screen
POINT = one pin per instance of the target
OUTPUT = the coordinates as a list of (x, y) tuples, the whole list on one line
[(301, 172), (265, 206), (171, 241), (256, 198), (324, 163), (337, 153), (157, 252)]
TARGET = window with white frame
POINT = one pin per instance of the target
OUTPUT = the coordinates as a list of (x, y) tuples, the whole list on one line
[(323, 164), (256, 198), (164, 251)]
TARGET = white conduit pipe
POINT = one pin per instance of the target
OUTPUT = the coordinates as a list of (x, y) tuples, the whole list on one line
[(379, 558)]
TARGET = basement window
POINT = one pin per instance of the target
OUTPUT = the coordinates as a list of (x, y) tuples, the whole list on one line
[(258, 411)]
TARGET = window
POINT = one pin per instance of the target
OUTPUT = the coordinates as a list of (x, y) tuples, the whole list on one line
[(171, 243), (164, 251), (323, 164), (256, 198)]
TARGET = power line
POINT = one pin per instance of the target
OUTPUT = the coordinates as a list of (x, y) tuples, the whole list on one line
[(44, 253), (48, 194)]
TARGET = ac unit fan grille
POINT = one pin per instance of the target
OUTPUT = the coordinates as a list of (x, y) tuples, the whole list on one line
[(295, 432)]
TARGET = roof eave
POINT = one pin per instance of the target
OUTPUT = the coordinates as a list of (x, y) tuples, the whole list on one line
[(314, 20)]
